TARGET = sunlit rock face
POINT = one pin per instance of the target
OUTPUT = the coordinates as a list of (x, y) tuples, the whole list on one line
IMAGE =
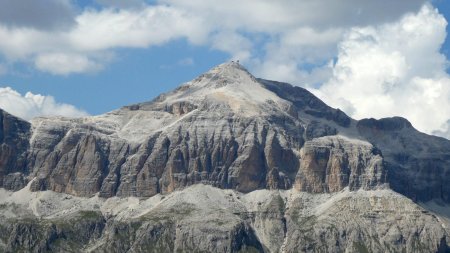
[(228, 129), (224, 163)]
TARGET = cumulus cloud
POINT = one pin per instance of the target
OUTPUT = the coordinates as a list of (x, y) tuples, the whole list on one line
[(287, 58), (32, 105), (237, 45), (96, 33), (275, 16), (297, 33), (445, 131), (109, 28), (394, 69), (63, 64), (27, 31)]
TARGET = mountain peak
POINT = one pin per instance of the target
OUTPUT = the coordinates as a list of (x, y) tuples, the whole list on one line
[(231, 65), (227, 73), (226, 84)]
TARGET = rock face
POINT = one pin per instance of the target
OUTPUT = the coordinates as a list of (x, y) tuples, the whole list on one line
[(329, 164), (229, 130), (14, 136), (226, 129), (418, 165), (202, 218)]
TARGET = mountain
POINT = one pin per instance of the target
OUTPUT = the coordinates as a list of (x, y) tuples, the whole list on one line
[(224, 163)]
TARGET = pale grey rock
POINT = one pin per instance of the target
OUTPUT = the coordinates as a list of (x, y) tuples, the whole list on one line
[(202, 218), (225, 128)]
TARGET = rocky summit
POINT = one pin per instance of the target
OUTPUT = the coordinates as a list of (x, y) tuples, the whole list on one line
[(224, 163)]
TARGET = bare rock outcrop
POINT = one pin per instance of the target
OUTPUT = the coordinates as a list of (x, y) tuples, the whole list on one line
[(329, 164), (224, 163), (418, 164), (227, 129), (14, 136), (202, 218)]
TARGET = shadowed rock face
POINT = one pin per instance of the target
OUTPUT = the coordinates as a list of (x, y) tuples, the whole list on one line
[(14, 135), (418, 165), (306, 101), (226, 129)]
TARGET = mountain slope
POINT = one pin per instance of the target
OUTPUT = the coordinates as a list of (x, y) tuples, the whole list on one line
[(329, 179), (206, 219), (225, 128)]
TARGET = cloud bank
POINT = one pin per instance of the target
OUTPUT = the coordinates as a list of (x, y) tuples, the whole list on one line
[(51, 38), (32, 105)]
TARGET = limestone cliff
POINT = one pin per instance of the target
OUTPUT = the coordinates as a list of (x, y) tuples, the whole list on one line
[(224, 163), (227, 129)]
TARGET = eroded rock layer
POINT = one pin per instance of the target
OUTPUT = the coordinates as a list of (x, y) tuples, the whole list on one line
[(226, 129)]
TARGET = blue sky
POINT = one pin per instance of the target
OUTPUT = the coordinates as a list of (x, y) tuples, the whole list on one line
[(93, 56), (137, 75)]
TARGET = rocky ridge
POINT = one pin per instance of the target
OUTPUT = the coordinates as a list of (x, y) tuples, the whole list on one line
[(225, 128), (241, 134)]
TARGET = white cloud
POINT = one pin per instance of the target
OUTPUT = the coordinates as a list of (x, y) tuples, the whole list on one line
[(274, 16), (394, 69), (445, 130), (109, 28), (237, 45), (63, 64), (230, 26), (33, 105), (297, 33), (95, 34), (287, 58)]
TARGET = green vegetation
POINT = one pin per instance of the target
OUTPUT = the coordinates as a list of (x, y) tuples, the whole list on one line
[(90, 214), (360, 247), (248, 249), (219, 222), (180, 212), (303, 223), (417, 246), (280, 202), (64, 245)]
